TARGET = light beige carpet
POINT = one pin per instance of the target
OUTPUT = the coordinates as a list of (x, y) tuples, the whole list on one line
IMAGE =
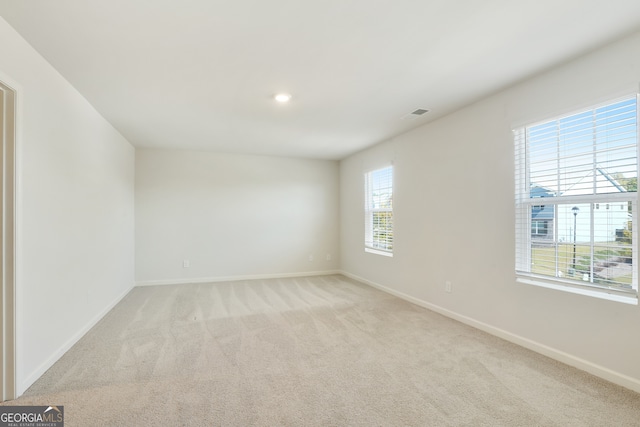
[(318, 351)]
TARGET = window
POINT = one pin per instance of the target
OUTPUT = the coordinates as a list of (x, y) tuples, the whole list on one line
[(378, 211), (539, 228), (584, 168)]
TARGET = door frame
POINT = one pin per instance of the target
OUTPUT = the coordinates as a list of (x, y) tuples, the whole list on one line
[(7, 241)]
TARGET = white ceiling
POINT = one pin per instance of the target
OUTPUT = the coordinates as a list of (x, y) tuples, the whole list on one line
[(201, 74)]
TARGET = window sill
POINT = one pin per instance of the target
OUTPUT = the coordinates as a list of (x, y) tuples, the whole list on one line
[(610, 295), (379, 252)]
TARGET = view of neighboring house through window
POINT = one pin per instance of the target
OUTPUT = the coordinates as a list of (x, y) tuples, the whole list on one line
[(576, 199), (379, 211)]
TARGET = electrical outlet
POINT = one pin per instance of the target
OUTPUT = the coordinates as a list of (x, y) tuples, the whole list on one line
[(310, 258), (328, 257), (186, 263), (447, 286)]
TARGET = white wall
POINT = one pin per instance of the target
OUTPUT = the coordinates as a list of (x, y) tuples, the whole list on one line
[(233, 216), (454, 219), (75, 219)]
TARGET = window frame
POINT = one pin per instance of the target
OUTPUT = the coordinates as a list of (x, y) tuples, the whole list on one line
[(371, 244), (524, 202), (541, 227)]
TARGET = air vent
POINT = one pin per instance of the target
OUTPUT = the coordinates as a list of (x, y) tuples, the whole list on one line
[(415, 114)]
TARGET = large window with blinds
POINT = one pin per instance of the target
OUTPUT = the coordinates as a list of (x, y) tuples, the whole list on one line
[(576, 201), (378, 211)]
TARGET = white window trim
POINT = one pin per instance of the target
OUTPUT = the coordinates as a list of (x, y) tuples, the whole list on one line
[(566, 286), (378, 251)]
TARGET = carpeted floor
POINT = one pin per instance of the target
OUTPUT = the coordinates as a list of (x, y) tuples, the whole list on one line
[(317, 351)]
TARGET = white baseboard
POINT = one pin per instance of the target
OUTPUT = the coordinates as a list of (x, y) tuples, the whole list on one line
[(37, 373), (571, 360), (184, 281)]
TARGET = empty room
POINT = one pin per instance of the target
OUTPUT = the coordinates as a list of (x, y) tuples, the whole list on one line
[(341, 213)]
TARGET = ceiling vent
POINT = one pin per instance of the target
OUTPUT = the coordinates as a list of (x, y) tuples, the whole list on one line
[(415, 114)]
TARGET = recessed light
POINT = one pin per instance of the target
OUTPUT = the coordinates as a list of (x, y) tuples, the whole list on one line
[(282, 97)]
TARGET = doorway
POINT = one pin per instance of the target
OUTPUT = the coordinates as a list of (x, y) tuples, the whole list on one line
[(7, 241)]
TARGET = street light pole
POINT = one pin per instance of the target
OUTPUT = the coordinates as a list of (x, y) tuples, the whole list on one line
[(575, 217)]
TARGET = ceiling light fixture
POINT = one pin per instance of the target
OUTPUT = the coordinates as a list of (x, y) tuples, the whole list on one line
[(282, 97)]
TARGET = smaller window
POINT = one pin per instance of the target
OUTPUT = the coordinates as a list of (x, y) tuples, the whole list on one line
[(539, 228), (379, 211)]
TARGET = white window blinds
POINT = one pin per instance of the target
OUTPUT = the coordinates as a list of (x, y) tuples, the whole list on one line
[(576, 193), (379, 210)]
